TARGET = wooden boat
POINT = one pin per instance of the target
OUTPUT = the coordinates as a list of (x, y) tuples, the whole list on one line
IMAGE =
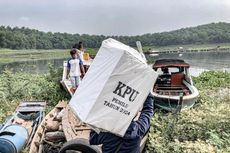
[(77, 134), (66, 83), (18, 131), (51, 122), (174, 83)]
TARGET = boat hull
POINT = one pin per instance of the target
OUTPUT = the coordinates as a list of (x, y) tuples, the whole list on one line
[(37, 142), (170, 104)]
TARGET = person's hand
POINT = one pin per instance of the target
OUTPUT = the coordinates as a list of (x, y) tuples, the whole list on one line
[(82, 75)]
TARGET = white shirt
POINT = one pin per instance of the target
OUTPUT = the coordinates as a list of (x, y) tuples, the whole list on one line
[(74, 67), (81, 55)]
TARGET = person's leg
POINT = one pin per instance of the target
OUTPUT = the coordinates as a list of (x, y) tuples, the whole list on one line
[(78, 81), (73, 82)]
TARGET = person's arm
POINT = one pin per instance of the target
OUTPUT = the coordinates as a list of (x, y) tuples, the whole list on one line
[(96, 139), (68, 69), (82, 68), (138, 129)]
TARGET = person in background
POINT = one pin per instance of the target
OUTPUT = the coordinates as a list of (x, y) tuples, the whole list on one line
[(75, 69), (75, 46), (80, 46), (165, 70), (130, 143), (80, 50)]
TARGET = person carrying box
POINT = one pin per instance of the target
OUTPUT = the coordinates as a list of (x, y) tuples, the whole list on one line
[(130, 142)]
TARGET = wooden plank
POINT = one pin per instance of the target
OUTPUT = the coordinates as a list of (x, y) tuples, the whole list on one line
[(73, 127)]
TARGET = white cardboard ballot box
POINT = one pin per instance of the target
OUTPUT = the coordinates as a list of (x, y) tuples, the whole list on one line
[(114, 88)]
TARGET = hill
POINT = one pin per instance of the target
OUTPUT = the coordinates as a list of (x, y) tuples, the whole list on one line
[(203, 34), (25, 38)]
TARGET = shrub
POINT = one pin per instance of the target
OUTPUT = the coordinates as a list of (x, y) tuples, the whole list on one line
[(15, 87)]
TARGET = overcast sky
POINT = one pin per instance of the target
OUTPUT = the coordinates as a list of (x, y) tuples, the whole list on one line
[(112, 17)]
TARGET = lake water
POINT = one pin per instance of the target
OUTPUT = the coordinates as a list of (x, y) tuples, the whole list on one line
[(199, 62), (36, 66)]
